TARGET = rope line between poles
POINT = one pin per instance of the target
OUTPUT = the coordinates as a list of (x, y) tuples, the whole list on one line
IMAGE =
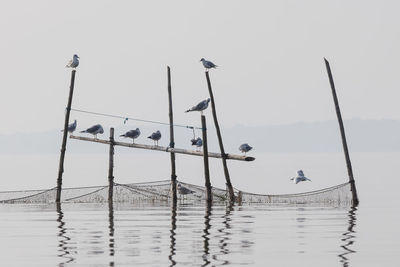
[(133, 119)]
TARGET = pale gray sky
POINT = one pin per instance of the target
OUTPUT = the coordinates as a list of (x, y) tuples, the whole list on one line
[(270, 55)]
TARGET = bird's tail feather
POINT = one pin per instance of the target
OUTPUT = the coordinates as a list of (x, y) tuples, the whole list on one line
[(188, 110), (83, 131)]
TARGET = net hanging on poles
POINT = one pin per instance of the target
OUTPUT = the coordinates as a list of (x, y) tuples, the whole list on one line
[(160, 191)]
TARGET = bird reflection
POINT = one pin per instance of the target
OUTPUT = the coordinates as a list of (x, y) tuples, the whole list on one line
[(64, 239), (173, 234), (348, 237), (206, 231), (111, 239)]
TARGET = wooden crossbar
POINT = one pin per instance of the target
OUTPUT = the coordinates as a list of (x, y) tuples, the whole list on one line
[(162, 148)]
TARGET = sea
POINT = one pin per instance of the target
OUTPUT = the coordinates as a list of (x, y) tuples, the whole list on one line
[(154, 234)]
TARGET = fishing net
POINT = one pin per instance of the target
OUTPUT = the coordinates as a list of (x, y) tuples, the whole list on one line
[(160, 191)]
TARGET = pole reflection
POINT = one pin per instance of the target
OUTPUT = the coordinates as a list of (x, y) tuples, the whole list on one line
[(223, 243), (172, 234), (206, 235), (64, 250), (111, 240), (349, 237)]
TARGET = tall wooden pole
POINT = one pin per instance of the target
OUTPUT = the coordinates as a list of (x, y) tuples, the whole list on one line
[(221, 145), (65, 133), (111, 167), (172, 142), (205, 157), (344, 142)]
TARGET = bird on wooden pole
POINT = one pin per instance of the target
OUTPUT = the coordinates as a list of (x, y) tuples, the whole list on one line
[(74, 62), (208, 64), (200, 106), (244, 148)]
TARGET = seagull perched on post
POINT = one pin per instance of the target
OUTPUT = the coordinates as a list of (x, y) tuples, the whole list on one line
[(71, 127), (208, 64), (197, 142), (244, 148), (300, 177), (132, 134), (200, 106), (74, 62), (155, 137), (95, 129)]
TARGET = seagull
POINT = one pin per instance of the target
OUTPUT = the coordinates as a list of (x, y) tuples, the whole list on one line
[(197, 142), (200, 106), (184, 190), (300, 177), (95, 129), (245, 148), (155, 137), (73, 63), (208, 64), (71, 127), (132, 134)]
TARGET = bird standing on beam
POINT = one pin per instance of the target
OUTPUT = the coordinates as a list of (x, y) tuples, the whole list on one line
[(155, 137), (95, 129), (132, 134)]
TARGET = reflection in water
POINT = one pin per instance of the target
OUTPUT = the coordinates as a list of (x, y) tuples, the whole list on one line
[(111, 243), (173, 234), (64, 239), (223, 243), (206, 235), (348, 237)]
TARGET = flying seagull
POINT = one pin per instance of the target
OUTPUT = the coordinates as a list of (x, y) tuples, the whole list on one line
[(95, 129), (208, 64), (200, 106), (71, 127), (132, 134), (244, 148), (73, 63), (155, 137), (197, 142), (300, 177)]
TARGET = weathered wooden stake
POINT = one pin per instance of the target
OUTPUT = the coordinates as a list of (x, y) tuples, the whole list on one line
[(221, 145), (205, 157), (111, 167), (344, 142), (172, 142), (65, 133)]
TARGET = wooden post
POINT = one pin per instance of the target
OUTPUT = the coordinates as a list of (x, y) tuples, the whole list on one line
[(172, 142), (111, 167), (65, 133), (344, 142), (205, 157), (221, 145)]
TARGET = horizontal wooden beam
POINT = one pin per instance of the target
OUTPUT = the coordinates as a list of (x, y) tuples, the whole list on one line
[(162, 148)]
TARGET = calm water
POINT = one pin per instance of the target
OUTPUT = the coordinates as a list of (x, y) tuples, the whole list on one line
[(102, 235), (252, 235)]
